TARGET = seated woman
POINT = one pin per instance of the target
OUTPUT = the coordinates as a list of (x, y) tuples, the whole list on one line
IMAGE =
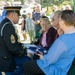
[(61, 54), (47, 35)]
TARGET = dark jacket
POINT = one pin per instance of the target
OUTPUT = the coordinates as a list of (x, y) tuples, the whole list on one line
[(51, 36), (9, 46)]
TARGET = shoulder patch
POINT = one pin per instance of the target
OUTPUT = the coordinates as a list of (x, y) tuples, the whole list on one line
[(12, 38)]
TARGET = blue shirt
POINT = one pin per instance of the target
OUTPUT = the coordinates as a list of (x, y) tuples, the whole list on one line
[(3, 15), (36, 16), (60, 56)]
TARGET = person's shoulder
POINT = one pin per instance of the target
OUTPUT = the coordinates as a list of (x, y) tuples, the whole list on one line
[(62, 37), (6, 24), (52, 29), (27, 20), (5, 20)]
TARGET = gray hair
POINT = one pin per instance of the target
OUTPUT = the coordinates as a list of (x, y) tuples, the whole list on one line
[(58, 12)]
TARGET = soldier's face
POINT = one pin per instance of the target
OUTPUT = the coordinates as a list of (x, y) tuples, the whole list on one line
[(16, 18)]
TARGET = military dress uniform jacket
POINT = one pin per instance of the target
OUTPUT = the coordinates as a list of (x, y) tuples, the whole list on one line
[(9, 46)]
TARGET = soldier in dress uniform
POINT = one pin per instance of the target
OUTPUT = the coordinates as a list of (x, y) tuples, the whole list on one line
[(11, 51)]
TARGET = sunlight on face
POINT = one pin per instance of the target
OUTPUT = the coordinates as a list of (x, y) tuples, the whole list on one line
[(44, 25), (15, 18), (61, 23), (55, 21)]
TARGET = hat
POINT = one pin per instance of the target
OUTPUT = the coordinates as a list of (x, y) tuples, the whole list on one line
[(13, 9)]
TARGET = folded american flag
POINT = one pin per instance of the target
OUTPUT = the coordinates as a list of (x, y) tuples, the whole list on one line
[(37, 49)]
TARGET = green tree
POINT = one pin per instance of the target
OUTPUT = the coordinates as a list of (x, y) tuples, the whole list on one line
[(7, 0), (74, 5), (30, 1), (22, 2)]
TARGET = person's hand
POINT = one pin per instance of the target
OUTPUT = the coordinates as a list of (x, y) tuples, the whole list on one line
[(36, 22), (35, 40), (40, 54)]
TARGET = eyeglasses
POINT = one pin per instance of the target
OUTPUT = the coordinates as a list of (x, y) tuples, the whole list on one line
[(54, 19)]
